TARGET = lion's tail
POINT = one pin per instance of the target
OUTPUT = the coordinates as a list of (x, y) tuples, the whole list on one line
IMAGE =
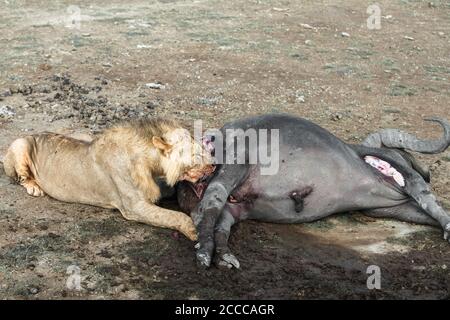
[(7, 164), (2, 167)]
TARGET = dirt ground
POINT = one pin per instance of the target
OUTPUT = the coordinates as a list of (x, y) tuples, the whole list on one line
[(69, 71)]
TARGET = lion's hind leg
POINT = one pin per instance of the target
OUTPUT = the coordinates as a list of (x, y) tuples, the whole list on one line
[(17, 166)]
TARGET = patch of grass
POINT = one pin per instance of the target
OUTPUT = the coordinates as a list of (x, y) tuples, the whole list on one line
[(342, 70), (348, 218), (136, 33), (107, 270), (299, 56), (275, 109), (329, 66), (432, 89), (446, 204), (398, 89), (361, 53), (6, 213), (79, 41), (112, 20), (392, 110), (437, 69), (208, 101), (325, 224), (390, 65), (388, 62)]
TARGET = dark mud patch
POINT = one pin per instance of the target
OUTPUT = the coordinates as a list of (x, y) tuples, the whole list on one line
[(109, 227), (26, 253), (282, 262)]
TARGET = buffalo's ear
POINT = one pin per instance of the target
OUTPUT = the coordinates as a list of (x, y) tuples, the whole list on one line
[(159, 143)]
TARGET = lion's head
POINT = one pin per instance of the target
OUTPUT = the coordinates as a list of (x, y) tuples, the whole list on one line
[(183, 158)]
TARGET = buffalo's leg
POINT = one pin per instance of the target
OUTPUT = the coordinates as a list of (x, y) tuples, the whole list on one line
[(211, 206), (422, 169), (407, 212), (223, 256), (420, 191)]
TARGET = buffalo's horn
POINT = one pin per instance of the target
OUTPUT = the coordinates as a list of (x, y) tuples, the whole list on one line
[(394, 138)]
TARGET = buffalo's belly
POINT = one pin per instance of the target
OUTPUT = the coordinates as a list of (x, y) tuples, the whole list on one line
[(339, 183)]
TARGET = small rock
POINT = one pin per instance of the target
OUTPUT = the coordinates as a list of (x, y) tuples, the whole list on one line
[(43, 89), (435, 165), (280, 9), (6, 112), (86, 35), (91, 285), (345, 34), (391, 110), (308, 42), (25, 90), (154, 85), (300, 96), (441, 34), (31, 266), (43, 226), (33, 290), (6, 93), (306, 26), (408, 38), (419, 268), (45, 67)]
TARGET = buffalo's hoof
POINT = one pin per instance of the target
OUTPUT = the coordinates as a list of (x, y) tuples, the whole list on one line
[(447, 232), (228, 261), (203, 260)]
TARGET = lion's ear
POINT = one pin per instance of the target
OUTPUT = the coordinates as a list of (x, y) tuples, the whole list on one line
[(159, 143)]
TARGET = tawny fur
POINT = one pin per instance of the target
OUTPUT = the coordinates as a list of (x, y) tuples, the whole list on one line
[(117, 169)]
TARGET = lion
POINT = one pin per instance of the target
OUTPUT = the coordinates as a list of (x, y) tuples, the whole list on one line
[(118, 168)]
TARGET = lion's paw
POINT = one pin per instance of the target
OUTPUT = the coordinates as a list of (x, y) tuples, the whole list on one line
[(32, 188)]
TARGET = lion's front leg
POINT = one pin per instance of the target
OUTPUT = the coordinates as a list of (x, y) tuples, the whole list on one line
[(151, 214), (143, 179)]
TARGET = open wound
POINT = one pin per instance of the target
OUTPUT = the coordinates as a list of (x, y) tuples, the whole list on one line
[(386, 169)]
